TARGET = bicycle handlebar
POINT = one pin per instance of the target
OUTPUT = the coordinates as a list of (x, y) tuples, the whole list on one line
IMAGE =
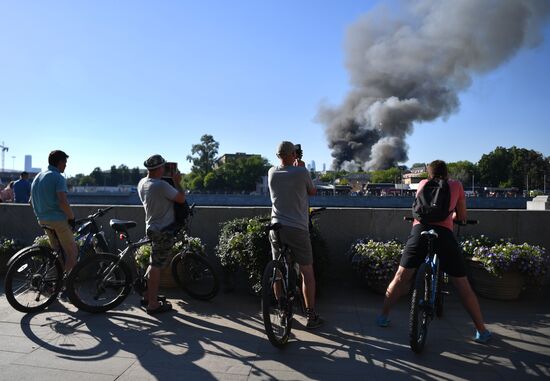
[(99, 213), (314, 211)]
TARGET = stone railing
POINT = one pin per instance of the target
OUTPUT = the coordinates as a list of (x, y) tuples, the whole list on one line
[(339, 226)]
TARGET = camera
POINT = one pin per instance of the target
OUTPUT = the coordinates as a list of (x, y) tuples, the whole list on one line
[(170, 169), (299, 152)]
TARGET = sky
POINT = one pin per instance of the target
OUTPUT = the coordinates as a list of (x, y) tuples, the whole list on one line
[(113, 82)]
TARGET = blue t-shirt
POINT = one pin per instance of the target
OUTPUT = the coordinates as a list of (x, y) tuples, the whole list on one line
[(44, 195), (21, 191)]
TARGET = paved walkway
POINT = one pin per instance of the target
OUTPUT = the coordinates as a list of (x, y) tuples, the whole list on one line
[(224, 340)]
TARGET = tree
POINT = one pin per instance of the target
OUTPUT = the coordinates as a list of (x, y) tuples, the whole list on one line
[(135, 176), (464, 171), (114, 177), (124, 174), (203, 155), (513, 167), (390, 175), (238, 175), (99, 176), (86, 181)]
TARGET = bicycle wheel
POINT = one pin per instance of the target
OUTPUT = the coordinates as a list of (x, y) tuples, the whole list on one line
[(99, 283), (276, 306), (439, 296), (195, 275), (418, 317), (33, 280)]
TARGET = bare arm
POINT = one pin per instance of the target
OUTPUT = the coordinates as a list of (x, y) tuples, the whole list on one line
[(64, 205), (460, 213)]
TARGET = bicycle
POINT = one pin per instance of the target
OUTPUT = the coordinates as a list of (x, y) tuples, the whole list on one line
[(100, 283), (281, 288), (428, 294), (35, 273)]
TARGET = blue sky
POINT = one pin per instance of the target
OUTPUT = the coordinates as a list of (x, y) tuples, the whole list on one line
[(114, 82)]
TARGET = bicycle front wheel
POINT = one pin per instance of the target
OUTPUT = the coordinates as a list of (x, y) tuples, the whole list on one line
[(419, 317), (195, 275), (99, 283), (33, 280), (276, 305)]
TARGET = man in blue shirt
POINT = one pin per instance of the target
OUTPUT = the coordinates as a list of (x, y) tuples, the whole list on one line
[(22, 189), (51, 207)]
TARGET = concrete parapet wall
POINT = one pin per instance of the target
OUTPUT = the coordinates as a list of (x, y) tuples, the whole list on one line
[(339, 226)]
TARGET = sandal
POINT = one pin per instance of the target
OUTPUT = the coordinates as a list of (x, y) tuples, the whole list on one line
[(144, 302), (163, 307)]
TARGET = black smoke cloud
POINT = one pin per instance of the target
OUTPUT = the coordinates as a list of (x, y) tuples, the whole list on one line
[(410, 68)]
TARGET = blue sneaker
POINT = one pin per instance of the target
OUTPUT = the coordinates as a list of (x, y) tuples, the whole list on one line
[(483, 337), (382, 321)]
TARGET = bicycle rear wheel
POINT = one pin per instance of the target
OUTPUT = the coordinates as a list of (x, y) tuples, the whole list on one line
[(419, 317), (276, 305), (33, 280), (195, 275), (99, 283)]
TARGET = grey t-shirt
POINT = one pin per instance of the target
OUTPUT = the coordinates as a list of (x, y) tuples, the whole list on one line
[(288, 187), (157, 198)]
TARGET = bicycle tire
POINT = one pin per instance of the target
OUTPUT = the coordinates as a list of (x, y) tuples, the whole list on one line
[(276, 310), (88, 289), (418, 317), (195, 275), (439, 296), (33, 280)]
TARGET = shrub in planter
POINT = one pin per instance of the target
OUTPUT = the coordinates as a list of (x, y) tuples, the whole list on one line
[(143, 255), (375, 262), (244, 246), (501, 271), (8, 247)]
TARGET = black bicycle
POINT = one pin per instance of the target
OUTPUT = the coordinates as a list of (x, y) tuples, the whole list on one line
[(428, 295), (281, 289), (35, 273), (102, 282)]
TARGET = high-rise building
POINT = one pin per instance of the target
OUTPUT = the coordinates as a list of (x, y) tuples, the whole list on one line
[(312, 165), (28, 165)]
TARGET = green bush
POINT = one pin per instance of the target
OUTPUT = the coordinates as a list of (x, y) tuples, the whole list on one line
[(8, 247), (244, 245)]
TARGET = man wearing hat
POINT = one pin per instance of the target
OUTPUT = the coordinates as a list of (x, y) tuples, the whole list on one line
[(158, 197), (289, 186)]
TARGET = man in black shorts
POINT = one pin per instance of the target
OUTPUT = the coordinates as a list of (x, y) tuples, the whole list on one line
[(448, 249)]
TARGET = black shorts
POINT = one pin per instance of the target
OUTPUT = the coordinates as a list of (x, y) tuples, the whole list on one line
[(446, 247)]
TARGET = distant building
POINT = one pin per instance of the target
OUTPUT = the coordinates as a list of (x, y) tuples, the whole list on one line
[(312, 165), (416, 175), (232, 156), (28, 165), (324, 167)]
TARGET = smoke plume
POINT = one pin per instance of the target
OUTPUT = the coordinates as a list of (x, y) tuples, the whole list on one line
[(410, 68)]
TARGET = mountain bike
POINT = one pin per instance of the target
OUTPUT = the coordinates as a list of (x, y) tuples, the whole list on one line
[(428, 294), (281, 289), (102, 282), (35, 273)]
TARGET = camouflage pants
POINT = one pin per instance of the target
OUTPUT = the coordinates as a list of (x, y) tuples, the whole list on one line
[(161, 244)]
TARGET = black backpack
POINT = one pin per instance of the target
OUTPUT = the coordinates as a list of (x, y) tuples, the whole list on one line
[(432, 202), (181, 212)]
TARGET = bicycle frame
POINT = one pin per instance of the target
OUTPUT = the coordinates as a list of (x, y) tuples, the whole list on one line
[(432, 260)]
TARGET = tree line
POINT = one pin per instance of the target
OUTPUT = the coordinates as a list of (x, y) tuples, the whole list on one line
[(503, 167)]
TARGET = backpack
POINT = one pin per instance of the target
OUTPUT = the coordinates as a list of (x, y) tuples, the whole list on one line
[(432, 202)]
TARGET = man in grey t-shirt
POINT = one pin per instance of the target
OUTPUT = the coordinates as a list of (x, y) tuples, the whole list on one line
[(289, 186), (158, 197)]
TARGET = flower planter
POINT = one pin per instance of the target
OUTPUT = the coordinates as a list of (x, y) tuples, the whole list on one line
[(506, 287)]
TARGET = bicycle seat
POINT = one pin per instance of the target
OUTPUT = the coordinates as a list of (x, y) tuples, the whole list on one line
[(430, 233), (121, 225)]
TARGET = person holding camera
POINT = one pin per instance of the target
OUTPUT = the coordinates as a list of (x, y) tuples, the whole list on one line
[(51, 207), (290, 185), (158, 198)]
